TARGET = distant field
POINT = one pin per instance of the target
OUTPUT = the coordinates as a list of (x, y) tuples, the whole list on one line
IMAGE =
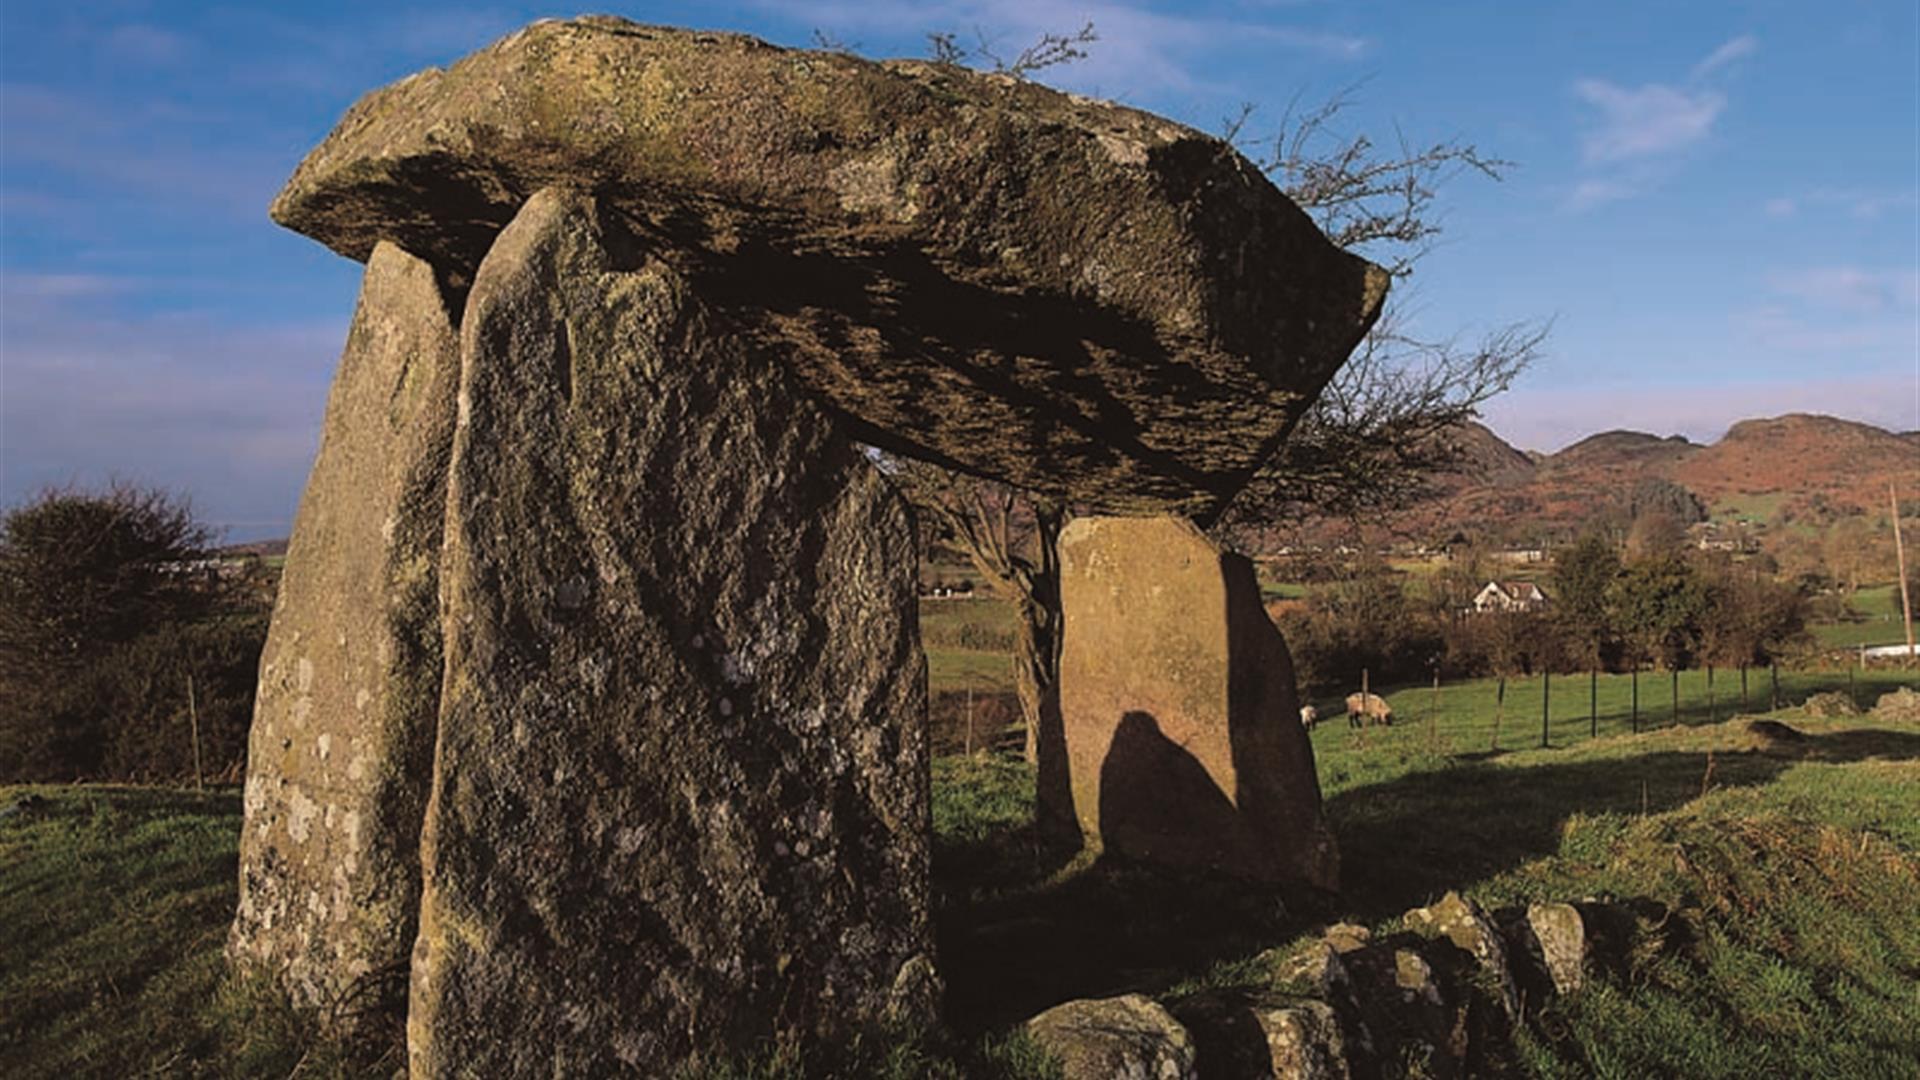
[(1756, 507), (1880, 604)]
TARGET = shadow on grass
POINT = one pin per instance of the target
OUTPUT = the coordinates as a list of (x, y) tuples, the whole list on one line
[(1021, 930), (1407, 840)]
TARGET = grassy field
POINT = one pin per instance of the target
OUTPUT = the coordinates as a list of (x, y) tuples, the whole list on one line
[(1880, 623), (1786, 879)]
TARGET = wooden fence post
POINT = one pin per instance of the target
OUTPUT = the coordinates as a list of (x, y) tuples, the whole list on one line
[(1676, 696), (1636, 697), (1546, 686), (1593, 704), (193, 718)]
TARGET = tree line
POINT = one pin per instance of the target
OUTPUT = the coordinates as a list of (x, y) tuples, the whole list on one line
[(1658, 608), (126, 650)]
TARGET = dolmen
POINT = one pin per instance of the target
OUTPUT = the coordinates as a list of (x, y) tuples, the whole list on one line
[(590, 732)]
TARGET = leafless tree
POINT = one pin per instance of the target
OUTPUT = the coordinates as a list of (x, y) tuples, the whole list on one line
[(1376, 433), (1388, 423)]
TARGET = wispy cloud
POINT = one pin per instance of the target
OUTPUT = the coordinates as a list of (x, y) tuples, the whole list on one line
[(143, 44), (1634, 133), (1138, 49), (226, 413), (1855, 203), (1851, 288), (1645, 121), (1738, 48)]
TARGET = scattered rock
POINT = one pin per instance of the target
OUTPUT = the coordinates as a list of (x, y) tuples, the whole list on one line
[(1830, 705), (1265, 1037), (680, 804), (1074, 296), (340, 753), (1347, 937), (1901, 705), (1560, 936), (1178, 703), (1462, 922), (1128, 1037)]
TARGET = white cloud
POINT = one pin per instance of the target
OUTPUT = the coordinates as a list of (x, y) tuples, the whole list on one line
[(1646, 121), (1851, 288), (228, 414), (1138, 49), (1739, 47), (144, 44), (1781, 207)]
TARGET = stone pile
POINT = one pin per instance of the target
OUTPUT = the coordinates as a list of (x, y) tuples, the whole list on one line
[(1446, 992), (591, 727)]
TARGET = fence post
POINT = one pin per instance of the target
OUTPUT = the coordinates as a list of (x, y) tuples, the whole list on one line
[(1676, 696), (1773, 673), (193, 718), (1713, 713), (1546, 686), (1433, 713), (1593, 704), (1636, 697)]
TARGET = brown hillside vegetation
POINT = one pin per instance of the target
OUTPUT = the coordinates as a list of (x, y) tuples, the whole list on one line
[(1802, 456), (1778, 469)]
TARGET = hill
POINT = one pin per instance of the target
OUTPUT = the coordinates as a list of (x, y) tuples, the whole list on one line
[(1775, 471)]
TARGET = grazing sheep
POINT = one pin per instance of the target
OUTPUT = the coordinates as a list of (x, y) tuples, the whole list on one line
[(1309, 716), (1372, 707)]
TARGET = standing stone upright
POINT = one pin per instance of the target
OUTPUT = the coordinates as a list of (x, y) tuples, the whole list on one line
[(680, 800), (1176, 694), (338, 759)]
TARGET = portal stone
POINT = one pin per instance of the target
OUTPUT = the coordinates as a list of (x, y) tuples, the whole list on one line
[(680, 800), (1176, 692), (342, 739)]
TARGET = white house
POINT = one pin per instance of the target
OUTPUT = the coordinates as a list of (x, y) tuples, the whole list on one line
[(1510, 596)]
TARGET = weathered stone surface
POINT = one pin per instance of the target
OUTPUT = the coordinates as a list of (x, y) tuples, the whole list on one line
[(1347, 937), (1902, 705), (1317, 969), (342, 738), (1081, 298), (1120, 1038), (1829, 705), (1559, 935), (1413, 1015), (1260, 1036), (1179, 708), (1461, 921), (680, 798)]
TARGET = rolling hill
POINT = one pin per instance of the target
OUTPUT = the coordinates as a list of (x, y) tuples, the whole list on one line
[(1775, 470)]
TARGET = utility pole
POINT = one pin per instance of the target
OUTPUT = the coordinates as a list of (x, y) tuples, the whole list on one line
[(1900, 554)]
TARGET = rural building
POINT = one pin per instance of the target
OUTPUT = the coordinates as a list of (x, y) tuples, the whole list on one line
[(1510, 596)]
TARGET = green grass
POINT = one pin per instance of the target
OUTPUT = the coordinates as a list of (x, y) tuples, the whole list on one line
[(114, 903), (1461, 719), (1751, 507), (1781, 882), (1880, 622)]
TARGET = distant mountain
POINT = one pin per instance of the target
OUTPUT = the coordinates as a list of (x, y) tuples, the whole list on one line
[(1773, 470)]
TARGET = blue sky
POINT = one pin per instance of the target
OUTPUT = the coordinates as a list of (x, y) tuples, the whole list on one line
[(1717, 203)]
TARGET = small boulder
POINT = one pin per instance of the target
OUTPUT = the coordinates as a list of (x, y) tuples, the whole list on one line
[(1461, 921), (1348, 937), (1560, 935), (1902, 705), (1265, 1037), (1129, 1036), (1829, 705)]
